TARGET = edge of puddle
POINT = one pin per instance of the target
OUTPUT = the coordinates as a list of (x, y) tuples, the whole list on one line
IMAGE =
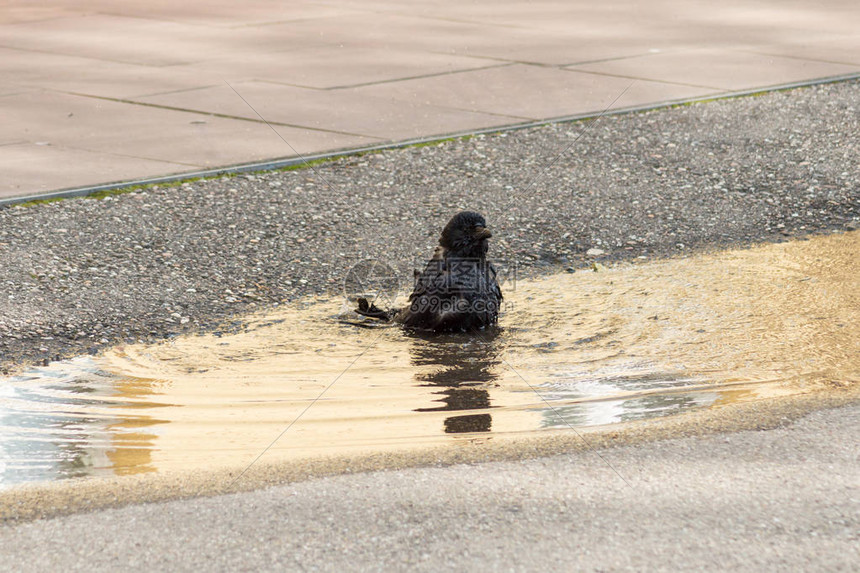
[(30, 502)]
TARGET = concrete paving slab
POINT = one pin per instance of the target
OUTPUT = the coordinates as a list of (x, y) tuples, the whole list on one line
[(150, 134), (394, 27), (76, 74), (9, 89), (739, 22), (432, 63), (717, 69), (117, 39), (530, 92), (367, 115), (28, 167), (339, 65), (17, 11), (695, 21), (558, 49), (218, 13), (400, 30), (147, 42), (843, 49)]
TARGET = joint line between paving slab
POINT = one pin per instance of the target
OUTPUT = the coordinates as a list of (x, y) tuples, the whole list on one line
[(619, 58), (94, 58), (763, 52), (469, 22), (126, 155), (214, 114), (435, 106), (640, 78), (418, 77), (178, 91)]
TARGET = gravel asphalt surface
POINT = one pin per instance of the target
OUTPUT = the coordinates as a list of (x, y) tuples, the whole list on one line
[(78, 275), (785, 499)]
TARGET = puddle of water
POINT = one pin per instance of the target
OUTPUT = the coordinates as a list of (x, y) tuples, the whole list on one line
[(584, 349)]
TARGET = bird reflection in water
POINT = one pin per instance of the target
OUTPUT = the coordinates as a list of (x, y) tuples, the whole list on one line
[(462, 367)]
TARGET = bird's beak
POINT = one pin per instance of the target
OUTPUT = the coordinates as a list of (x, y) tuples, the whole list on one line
[(482, 233)]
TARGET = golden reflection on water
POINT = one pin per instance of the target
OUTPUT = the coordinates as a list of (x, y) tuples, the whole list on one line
[(626, 343)]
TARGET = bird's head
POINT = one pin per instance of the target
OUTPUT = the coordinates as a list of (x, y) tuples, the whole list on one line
[(466, 235)]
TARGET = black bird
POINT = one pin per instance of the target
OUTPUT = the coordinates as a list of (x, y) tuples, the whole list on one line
[(458, 290)]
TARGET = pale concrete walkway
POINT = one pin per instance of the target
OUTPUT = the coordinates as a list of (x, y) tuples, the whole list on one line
[(94, 91)]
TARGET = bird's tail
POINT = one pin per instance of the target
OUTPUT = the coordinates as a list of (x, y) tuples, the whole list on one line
[(370, 310)]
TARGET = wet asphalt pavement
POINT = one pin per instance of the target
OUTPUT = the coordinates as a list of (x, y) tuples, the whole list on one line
[(784, 499)]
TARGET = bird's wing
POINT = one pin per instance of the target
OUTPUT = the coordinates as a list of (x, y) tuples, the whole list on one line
[(456, 277), (434, 278)]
